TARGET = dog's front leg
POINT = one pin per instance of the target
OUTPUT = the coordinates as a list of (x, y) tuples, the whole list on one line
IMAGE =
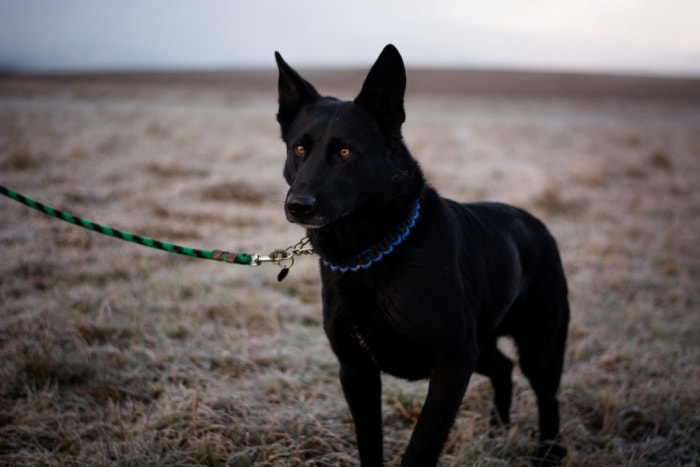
[(445, 392), (363, 388)]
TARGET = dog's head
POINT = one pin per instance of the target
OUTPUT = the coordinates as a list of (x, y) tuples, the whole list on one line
[(343, 155)]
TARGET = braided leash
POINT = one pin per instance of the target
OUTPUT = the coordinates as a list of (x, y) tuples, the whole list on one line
[(285, 257)]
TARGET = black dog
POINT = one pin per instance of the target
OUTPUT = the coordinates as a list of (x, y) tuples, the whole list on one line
[(414, 284)]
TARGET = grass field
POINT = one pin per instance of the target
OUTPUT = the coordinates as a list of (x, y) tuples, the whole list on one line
[(113, 354)]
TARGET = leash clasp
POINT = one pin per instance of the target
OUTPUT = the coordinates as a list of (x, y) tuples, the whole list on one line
[(277, 256), (280, 256)]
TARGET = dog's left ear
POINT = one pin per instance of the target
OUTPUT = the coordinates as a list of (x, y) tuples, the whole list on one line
[(383, 90), (294, 93)]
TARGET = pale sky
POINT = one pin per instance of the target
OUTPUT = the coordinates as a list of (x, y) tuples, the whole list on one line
[(628, 36)]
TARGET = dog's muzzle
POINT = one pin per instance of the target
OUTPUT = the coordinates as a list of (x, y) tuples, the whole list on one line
[(302, 209)]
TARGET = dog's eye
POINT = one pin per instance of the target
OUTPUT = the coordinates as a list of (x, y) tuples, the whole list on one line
[(299, 150), (345, 152)]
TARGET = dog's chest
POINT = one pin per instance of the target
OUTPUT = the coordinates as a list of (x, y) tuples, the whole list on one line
[(376, 318), (391, 350)]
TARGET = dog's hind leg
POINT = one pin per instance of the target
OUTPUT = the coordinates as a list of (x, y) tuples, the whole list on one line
[(545, 382), (541, 349), (542, 361), (499, 369)]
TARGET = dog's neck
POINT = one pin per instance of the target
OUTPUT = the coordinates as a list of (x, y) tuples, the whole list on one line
[(358, 244)]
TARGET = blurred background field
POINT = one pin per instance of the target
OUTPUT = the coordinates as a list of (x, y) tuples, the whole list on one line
[(113, 354)]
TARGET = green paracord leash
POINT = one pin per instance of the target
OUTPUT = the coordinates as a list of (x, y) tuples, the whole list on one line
[(283, 257)]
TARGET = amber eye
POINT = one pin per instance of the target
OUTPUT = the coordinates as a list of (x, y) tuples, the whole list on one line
[(345, 152), (299, 150)]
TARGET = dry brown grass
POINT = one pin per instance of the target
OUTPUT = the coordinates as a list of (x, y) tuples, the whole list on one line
[(111, 354)]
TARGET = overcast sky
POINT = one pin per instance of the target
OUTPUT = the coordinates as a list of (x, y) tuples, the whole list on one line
[(637, 36)]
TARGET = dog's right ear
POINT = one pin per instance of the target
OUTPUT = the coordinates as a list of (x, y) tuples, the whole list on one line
[(294, 93), (383, 90)]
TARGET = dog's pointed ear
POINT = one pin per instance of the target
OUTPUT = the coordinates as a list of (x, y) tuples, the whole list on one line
[(383, 90), (294, 93)]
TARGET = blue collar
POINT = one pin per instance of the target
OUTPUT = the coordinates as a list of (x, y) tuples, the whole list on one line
[(376, 253)]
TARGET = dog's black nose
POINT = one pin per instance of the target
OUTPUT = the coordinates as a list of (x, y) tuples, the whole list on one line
[(300, 205)]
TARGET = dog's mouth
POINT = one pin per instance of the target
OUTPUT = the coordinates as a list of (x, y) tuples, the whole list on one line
[(310, 222), (309, 226)]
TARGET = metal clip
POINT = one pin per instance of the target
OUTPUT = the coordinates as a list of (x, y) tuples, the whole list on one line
[(276, 256), (280, 256)]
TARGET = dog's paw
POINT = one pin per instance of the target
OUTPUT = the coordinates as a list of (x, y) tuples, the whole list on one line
[(497, 426), (497, 420), (549, 454)]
